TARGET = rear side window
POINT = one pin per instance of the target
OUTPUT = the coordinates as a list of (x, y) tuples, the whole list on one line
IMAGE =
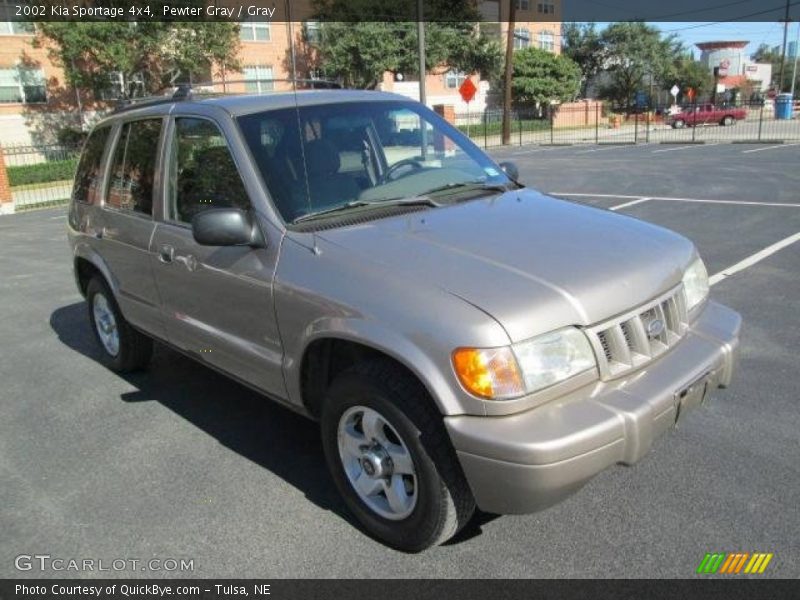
[(133, 167), (87, 178)]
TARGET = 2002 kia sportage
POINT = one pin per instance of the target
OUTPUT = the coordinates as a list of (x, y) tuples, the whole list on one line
[(463, 341)]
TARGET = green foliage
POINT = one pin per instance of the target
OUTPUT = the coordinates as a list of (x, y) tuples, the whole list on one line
[(57, 170), (582, 43), (359, 52), (765, 54), (633, 54), (689, 73), (541, 77), (155, 53)]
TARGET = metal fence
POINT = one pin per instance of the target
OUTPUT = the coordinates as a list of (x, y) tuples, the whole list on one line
[(40, 176), (597, 124)]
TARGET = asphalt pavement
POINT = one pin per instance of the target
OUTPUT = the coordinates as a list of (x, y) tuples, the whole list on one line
[(181, 463)]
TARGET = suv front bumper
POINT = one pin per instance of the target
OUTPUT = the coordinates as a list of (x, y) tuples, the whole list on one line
[(529, 461)]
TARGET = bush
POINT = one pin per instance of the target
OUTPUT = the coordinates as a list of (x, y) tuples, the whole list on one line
[(57, 170)]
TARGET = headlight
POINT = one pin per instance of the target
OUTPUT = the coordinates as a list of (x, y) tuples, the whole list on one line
[(695, 284), (526, 367)]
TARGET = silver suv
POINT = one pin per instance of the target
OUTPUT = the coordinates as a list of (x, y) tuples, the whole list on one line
[(463, 341)]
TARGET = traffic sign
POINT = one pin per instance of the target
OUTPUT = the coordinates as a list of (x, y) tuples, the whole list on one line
[(674, 91), (467, 90), (690, 92)]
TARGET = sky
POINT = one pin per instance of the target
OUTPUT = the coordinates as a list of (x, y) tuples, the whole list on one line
[(756, 33)]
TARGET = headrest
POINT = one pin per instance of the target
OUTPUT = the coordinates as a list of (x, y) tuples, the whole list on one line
[(322, 158)]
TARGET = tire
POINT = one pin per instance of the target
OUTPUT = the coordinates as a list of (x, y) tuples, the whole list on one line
[(679, 124), (132, 350), (435, 500), (727, 121)]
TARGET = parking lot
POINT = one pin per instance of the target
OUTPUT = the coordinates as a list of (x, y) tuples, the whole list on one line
[(180, 462)]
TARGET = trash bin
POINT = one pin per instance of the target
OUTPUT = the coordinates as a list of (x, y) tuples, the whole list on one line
[(783, 106)]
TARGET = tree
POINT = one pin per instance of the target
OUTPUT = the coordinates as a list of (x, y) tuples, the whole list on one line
[(541, 77), (148, 55), (358, 51), (765, 54), (689, 73), (633, 51), (582, 43)]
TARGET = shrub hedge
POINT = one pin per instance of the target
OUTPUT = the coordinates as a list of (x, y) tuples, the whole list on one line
[(57, 170)]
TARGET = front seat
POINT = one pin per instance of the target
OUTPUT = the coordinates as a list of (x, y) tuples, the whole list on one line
[(327, 186)]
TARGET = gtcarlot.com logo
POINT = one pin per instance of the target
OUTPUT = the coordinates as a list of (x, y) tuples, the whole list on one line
[(45, 562), (734, 563)]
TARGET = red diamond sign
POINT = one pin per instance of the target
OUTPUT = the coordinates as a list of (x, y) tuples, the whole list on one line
[(467, 90)]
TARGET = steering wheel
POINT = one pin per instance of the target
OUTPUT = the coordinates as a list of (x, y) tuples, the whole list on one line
[(406, 162)]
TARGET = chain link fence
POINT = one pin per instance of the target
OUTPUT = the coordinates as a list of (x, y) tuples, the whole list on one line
[(597, 123), (40, 176)]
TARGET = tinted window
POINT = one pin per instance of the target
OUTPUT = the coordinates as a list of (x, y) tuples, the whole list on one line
[(87, 178), (133, 167), (202, 172)]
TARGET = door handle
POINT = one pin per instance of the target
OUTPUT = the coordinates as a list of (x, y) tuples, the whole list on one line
[(166, 253)]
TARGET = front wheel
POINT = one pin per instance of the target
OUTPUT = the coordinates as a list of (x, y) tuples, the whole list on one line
[(728, 120), (679, 124), (391, 458)]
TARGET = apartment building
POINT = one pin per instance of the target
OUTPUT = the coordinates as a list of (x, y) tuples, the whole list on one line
[(35, 102)]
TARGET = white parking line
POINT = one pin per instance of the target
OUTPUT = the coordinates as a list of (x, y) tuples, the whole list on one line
[(631, 203), (666, 199), (769, 148), (684, 148), (753, 259), (612, 147)]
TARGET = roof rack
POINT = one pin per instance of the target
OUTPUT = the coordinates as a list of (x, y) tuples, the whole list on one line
[(188, 91)]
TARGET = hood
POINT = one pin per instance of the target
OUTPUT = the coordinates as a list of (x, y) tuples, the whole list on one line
[(533, 262)]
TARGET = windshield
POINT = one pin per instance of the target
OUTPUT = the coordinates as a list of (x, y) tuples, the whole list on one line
[(335, 157)]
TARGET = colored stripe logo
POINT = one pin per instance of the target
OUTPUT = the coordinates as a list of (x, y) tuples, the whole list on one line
[(734, 563)]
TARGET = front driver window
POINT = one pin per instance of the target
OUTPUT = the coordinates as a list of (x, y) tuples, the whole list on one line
[(202, 172)]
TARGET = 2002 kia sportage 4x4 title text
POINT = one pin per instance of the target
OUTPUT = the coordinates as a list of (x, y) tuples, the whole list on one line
[(463, 340)]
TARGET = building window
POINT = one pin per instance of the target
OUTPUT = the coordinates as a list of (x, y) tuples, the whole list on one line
[(254, 31), (523, 4), (547, 41), (546, 8), (16, 28), (313, 32), (22, 85), (454, 79), (258, 79), (522, 38)]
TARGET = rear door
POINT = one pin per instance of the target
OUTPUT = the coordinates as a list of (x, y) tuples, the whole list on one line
[(217, 301), (125, 224)]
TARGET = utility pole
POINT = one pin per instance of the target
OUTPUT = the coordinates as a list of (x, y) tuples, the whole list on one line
[(423, 71), (512, 13), (796, 55), (783, 54)]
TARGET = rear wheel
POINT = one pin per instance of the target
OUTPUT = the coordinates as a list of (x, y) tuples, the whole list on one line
[(124, 348), (728, 120), (391, 458), (679, 124)]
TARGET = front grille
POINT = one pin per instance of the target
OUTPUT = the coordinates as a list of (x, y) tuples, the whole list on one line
[(632, 340)]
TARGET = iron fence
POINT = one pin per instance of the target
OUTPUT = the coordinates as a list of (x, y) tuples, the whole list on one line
[(40, 175), (596, 123)]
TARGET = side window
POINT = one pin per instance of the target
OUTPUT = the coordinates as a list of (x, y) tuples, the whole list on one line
[(202, 172), (87, 177), (133, 167)]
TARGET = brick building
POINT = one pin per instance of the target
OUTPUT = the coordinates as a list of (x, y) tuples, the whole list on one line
[(35, 103)]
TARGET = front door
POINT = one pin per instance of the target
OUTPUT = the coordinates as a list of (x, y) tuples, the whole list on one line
[(217, 302)]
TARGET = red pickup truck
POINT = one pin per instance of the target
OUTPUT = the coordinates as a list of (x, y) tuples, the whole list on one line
[(705, 114)]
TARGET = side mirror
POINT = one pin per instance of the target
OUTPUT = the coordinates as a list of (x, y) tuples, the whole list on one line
[(226, 227), (510, 169)]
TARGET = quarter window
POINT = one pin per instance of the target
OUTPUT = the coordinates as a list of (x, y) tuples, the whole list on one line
[(133, 167), (202, 172), (87, 177)]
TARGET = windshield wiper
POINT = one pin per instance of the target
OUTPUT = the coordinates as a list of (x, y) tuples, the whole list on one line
[(470, 186), (412, 201)]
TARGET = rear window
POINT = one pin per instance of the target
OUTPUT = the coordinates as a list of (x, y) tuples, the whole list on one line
[(133, 167), (87, 178)]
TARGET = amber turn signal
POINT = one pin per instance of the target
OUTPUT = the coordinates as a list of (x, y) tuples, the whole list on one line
[(488, 372)]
